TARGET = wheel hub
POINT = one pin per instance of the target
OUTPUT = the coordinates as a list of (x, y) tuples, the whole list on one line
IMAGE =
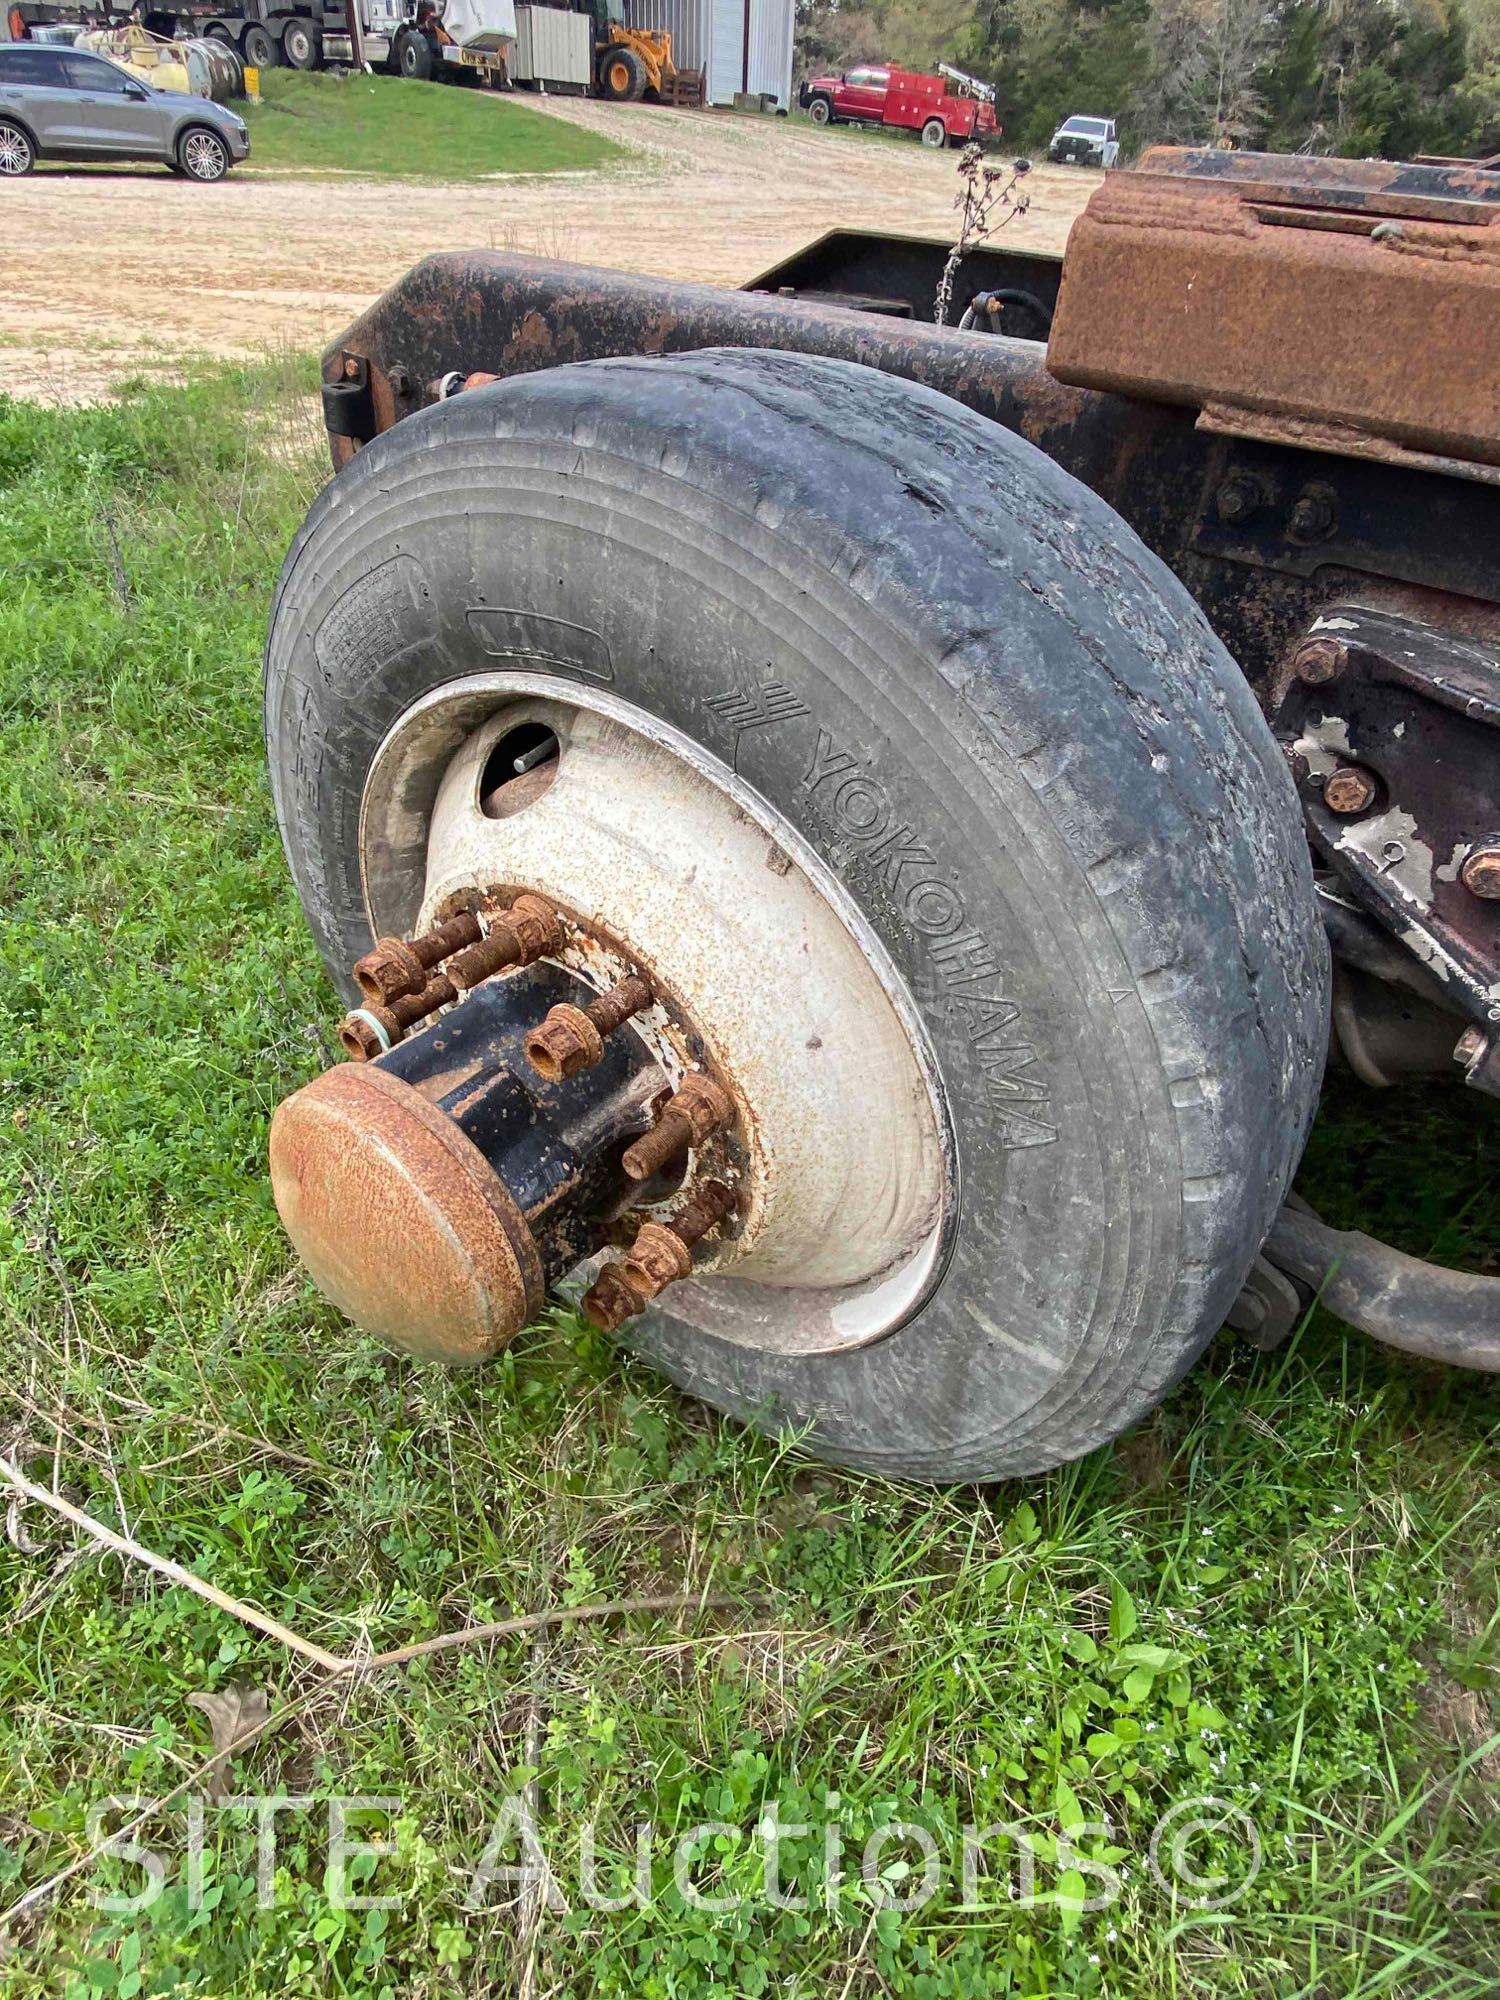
[(767, 1101)]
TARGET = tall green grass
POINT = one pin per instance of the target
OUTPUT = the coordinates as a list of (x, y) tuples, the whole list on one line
[(323, 122)]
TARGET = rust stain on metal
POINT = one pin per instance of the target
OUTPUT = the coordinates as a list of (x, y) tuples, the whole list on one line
[(1194, 282), (400, 1221)]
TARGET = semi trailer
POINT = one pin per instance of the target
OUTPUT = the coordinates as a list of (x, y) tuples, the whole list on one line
[(848, 842), (412, 38)]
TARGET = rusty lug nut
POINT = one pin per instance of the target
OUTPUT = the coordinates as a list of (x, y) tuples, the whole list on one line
[(1348, 789), (1238, 499), (572, 1038), (369, 1031), (527, 931), (1480, 873), (660, 1256), (399, 966), (687, 1119), (1317, 661)]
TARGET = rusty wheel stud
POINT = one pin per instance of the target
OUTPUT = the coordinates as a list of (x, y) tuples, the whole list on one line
[(660, 1255), (398, 966), (572, 1038), (525, 932), (699, 1108), (369, 1031), (1349, 789)]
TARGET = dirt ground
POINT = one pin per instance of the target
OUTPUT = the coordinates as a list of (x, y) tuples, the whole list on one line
[(106, 272)]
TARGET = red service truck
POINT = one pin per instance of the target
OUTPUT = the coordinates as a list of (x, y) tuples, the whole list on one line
[(947, 109)]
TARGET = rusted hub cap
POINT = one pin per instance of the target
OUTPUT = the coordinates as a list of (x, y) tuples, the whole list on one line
[(400, 1221), (794, 1030)]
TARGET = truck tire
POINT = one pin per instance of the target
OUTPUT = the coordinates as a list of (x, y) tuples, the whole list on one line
[(935, 134), (622, 76), (258, 46), (413, 56), (820, 110), (301, 43), (1007, 731)]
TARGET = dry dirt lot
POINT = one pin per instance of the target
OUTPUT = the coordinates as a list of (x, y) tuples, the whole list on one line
[(105, 272)]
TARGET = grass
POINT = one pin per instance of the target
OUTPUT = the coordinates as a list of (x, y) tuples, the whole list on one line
[(1280, 1591), (386, 127)]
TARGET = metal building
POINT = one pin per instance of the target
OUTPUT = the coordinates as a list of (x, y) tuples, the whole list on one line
[(745, 45)]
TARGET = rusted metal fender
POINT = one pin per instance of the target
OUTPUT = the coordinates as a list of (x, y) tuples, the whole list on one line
[(1401, 1301)]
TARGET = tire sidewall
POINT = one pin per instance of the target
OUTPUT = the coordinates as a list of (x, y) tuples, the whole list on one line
[(1063, 1098), (298, 45), (259, 48)]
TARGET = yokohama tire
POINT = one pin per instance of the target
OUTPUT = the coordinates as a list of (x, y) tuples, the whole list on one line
[(1005, 727)]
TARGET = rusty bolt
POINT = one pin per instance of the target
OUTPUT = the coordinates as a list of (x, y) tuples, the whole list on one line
[(351, 366), (1470, 1045), (399, 966), (527, 931), (572, 1038), (1238, 498), (1348, 789), (660, 1255), (1480, 873), (361, 1032), (1318, 660), (699, 1108), (1314, 515)]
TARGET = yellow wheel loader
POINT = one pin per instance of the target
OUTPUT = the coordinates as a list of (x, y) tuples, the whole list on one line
[(629, 63)]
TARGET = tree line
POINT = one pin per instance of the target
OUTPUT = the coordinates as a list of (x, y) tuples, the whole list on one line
[(1362, 78)]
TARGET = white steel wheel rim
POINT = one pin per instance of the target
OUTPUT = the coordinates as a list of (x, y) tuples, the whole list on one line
[(933, 134), (15, 153), (646, 838), (203, 156)]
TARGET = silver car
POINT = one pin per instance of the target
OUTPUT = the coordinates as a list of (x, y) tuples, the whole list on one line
[(64, 104)]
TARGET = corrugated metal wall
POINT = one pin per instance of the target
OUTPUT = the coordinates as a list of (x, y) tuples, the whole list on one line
[(686, 21), (711, 34), (771, 26), (750, 45), (553, 45)]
